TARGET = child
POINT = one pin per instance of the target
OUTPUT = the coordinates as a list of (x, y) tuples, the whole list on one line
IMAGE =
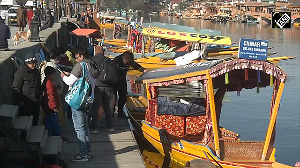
[(50, 103)]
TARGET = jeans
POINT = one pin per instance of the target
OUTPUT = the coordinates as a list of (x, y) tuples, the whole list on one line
[(82, 130), (52, 124), (103, 96)]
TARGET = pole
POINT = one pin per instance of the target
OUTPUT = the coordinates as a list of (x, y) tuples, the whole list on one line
[(35, 24), (272, 121), (213, 113), (97, 2)]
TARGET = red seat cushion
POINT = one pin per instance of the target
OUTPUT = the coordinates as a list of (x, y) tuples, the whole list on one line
[(195, 125), (174, 125)]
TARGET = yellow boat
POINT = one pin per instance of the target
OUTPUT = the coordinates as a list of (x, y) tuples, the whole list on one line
[(183, 107), (157, 62), (296, 23), (182, 35), (107, 21)]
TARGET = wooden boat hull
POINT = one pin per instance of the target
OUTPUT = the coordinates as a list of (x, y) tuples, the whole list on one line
[(107, 25), (184, 137), (296, 25), (157, 62), (183, 151)]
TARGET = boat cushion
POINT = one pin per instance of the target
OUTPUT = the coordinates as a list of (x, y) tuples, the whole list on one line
[(195, 125), (151, 111), (174, 125), (182, 108)]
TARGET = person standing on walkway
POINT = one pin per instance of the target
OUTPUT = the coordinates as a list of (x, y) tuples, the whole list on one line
[(27, 88), (54, 60), (4, 35), (50, 102), (21, 17), (67, 66), (124, 61), (29, 16), (104, 93), (80, 116)]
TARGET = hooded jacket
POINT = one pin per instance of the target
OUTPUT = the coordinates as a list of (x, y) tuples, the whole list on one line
[(27, 84), (50, 100), (98, 59), (123, 68)]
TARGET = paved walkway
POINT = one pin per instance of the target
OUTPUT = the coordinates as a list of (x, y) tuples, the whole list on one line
[(110, 150)]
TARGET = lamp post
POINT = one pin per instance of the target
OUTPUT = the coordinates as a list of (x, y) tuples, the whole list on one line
[(55, 11), (35, 24)]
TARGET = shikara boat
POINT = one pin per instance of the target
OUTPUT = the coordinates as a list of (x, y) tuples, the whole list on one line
[(296, 23), (107, 21), (181, 38), (183, 107)]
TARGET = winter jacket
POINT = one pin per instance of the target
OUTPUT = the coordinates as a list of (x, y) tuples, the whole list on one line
[(123, 68), (77, 72), (22, 16), (4, 35), (50, 100), (27, 84), (98, 59)]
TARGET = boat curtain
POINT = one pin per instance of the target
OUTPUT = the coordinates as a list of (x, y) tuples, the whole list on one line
[(263, 66)]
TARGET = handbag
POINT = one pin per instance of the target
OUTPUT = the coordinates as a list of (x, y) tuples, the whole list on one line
[(79, 93)]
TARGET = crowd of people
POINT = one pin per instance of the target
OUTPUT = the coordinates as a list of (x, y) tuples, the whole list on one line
[(48, 85), (24, 17)]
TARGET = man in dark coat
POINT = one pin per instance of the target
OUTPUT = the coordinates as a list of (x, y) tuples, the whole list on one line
[(103, 95), (49, 22), (27, 88), (4, 35), (21, 17), (124, 61)]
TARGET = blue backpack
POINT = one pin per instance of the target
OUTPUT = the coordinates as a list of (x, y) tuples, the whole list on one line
[(79, 93)]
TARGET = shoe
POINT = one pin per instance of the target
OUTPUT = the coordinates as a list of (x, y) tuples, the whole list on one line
[(109, 129), (89, 155), (94, 131), (121, 115), (65, 140), (79, 158)]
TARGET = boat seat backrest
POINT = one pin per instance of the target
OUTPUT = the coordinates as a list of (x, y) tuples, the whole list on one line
[(174, 125), (177, 126), (241, 150), (195, 125), (151, 111)]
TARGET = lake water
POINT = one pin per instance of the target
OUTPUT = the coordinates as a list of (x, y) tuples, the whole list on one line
[(248, 114)]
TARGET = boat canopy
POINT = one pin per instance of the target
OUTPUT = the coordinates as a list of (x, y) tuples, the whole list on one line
[(242, 73), (123, 22), (184, 33), (107, 17), (87, 32), (180, 28)]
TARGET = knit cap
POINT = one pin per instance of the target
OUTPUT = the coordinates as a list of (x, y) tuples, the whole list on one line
[(30, 58)]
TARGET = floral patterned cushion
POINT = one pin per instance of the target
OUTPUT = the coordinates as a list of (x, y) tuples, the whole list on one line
[(195, 125), (151, 111), (174, 125)]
